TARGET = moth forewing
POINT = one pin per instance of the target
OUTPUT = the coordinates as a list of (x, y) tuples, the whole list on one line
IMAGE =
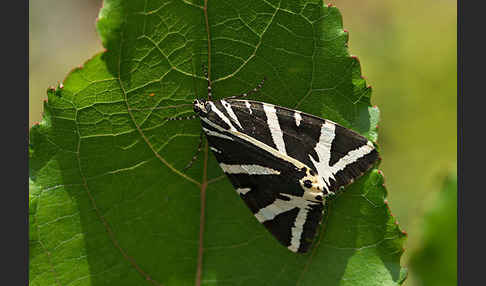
[(283, 163), (283, 194), (338, 154)]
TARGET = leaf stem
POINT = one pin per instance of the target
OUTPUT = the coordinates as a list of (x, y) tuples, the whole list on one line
[(202, 218)]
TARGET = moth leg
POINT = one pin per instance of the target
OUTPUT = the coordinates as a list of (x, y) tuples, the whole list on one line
[(158, 108), (194, 158), (257, 88), (189, 117), (194, 116)]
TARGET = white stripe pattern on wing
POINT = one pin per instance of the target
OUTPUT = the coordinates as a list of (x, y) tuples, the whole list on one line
[(248, 169), (274, 126), (297, 229), (247, 104), (216, 150), (231, 113), (352, 157), (258, 144), (298, 118), (216, 134), (221, 115), (323, 150), (243, 191), (281, 206)]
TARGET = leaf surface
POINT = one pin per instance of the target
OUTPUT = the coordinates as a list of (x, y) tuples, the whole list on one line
[(109, 202)]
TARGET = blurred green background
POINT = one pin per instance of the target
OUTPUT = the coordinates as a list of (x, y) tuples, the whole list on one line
[(408, 53)]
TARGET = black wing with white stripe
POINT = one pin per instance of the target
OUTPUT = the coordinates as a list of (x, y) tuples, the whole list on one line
[(271, 188), (338, 154), (283, 163)]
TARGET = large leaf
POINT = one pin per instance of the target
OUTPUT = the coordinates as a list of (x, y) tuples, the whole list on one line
[(109, 202)]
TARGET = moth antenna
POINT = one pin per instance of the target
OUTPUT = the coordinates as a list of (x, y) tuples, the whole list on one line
[(194, 158), (256, 89), (210, 94)]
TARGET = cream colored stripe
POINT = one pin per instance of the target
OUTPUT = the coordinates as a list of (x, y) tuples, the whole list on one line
[(228, 108), (216, 134), (298, 118), (274, 127), (248, 169), (352, 157), (323, 150), (221, 115), (243, 191)]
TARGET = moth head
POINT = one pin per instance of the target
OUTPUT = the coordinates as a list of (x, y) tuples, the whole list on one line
[(201, 107)]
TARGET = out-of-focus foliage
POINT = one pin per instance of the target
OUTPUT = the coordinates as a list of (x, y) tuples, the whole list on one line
[(408, 51), (435, 262)]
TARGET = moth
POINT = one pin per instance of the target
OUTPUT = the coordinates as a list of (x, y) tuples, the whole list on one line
[(282, 162)]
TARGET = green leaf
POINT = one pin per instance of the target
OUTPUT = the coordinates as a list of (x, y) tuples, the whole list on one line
[(435, 262), (109, 203)]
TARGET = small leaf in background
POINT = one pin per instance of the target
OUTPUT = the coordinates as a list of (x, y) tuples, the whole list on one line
[(435, 262), (109, 202)]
